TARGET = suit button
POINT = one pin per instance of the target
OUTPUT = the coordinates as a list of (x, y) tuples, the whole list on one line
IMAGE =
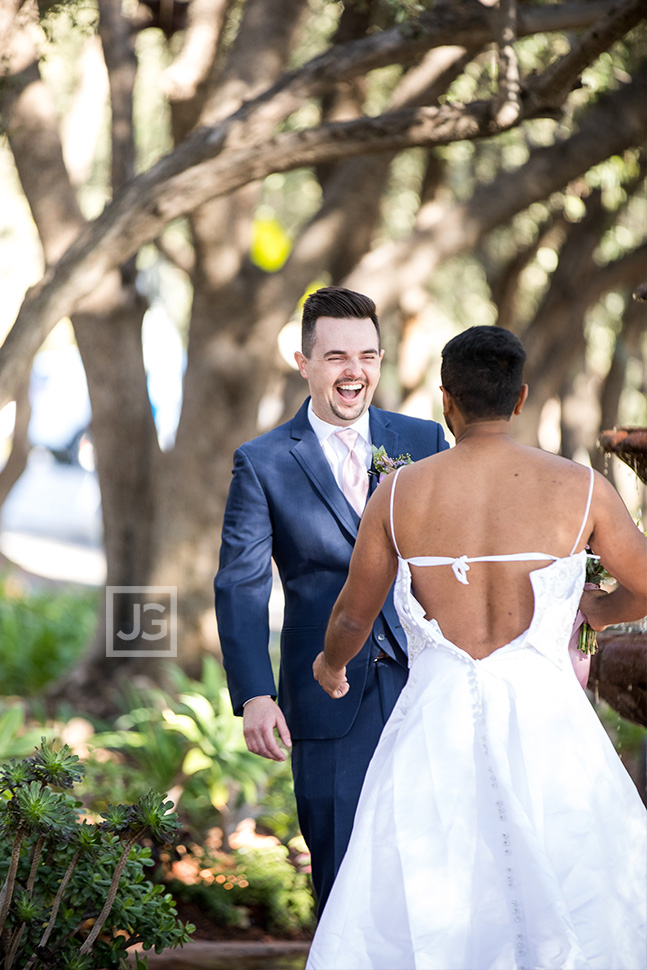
[(381, 636)]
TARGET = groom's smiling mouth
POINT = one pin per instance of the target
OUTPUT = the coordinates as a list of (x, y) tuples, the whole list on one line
[(350, 390)]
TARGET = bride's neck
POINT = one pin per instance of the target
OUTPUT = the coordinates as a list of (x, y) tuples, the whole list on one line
[(484, 431)]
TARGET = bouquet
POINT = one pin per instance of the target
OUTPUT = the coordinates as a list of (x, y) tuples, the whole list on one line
[(595, 575)]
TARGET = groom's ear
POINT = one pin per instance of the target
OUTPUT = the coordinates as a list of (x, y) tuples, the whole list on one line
[(302, 363)]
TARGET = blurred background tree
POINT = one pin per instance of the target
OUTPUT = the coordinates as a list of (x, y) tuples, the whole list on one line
[(206, 163)]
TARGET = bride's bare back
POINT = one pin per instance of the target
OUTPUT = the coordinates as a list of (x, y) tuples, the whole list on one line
[(490, 496)]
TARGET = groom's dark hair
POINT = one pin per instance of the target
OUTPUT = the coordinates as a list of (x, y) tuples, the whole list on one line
[(337, 302), (482, 369)]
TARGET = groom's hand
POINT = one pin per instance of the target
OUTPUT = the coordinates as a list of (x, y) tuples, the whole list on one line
[(261, 716), (333, 681)]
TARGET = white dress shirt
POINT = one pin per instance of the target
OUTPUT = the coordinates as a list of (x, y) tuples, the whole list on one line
[(334, 449)]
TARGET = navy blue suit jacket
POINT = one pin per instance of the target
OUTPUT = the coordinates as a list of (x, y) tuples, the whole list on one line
[(284, 504)]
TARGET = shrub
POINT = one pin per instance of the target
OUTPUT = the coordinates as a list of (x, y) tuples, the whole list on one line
[(191, 741), (258, 884), (73, 892), (41, 635)]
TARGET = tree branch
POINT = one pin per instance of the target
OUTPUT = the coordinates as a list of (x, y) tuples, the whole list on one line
[(509, 103), (557, 80), (17, 460), (191, 67), (119, 55), (616, 123), (505, 285)]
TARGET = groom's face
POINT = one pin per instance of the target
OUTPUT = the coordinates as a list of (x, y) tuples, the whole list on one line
[(343, 368)]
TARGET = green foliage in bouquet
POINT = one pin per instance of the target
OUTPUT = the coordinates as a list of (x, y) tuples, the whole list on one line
[(596, 574), (73, 893)]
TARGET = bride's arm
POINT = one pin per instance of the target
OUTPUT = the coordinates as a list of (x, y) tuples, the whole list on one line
[(622, 548), (373, 567)]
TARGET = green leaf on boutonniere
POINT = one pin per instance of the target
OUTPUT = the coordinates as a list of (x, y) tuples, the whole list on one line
[(383, 464)]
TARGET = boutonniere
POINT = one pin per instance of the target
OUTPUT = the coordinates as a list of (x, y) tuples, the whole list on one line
[(383, 464)]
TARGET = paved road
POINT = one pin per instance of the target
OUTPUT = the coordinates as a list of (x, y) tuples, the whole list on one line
[(50, 524)]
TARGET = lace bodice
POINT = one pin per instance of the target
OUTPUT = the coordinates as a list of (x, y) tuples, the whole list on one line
[(557, 589)]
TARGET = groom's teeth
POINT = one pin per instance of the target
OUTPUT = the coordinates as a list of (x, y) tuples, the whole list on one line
[(349, 387)]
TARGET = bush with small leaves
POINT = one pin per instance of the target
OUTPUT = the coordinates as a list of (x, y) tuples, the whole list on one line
[(74, 894)]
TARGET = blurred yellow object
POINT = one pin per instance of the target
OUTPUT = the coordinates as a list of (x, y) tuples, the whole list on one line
[(271, 245)]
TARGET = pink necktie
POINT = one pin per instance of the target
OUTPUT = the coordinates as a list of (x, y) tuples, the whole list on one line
[(354, 474)]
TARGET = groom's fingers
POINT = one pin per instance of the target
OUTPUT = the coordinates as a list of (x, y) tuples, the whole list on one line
[(263, 742), (269, 745), (260, 717), (282, 728)]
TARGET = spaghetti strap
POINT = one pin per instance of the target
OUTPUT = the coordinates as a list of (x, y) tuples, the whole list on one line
[(395, 480), (586, 512)]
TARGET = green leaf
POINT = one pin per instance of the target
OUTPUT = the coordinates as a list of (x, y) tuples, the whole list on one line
[(60, 768), (196, 760), (38, 809)]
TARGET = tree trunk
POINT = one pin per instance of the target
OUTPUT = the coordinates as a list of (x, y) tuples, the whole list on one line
[(619, 674)]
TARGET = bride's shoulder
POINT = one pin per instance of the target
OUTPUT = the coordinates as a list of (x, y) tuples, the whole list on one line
[(564, 468)]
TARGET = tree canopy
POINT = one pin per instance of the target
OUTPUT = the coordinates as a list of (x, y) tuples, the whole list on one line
[(461, 162)]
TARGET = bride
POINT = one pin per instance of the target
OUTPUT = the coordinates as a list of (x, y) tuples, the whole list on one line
[(497, 828)]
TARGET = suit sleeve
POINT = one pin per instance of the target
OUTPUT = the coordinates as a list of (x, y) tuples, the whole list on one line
[(243, 585)]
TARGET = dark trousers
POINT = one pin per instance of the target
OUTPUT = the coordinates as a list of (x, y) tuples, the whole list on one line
[(328, 775)]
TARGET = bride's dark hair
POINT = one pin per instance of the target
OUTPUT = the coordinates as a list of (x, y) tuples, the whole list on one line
[(482, 369)]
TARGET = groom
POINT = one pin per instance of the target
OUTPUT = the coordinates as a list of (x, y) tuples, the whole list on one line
[(296, 497)]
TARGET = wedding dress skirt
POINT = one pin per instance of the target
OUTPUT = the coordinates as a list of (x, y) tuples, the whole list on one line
[(497, 828)]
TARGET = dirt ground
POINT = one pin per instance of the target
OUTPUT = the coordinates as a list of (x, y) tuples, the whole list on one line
[(230, 955)]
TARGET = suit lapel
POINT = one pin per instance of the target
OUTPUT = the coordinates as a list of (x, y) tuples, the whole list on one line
[(308, 452), (382, 435)]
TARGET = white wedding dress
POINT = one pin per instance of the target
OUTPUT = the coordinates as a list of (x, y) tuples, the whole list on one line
[(497, 828)]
